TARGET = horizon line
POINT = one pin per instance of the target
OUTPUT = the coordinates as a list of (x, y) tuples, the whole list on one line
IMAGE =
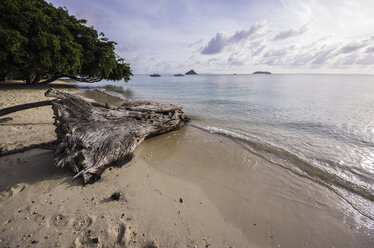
[(276, 73)]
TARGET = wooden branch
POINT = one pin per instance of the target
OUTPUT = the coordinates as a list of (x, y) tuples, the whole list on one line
[(47, 81), (92, 138), (86, 79), (16, 108), (2, 120), (13, 109)]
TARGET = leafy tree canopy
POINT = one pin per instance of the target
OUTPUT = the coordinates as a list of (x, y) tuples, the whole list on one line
[(43, 43)]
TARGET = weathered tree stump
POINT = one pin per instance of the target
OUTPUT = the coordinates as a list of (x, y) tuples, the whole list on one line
[(92, 138)]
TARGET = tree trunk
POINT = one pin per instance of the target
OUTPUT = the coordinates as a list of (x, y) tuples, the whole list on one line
[(28, 80), (27, 77), (36, 78), (54, 78), (16, 108), (92, 138), (3, 76)]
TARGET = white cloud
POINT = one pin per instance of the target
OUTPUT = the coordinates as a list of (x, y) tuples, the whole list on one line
[(353, 46), (366, 60), (167, 36), (370, 49), (255, 48), (236, 59), (94, 18), (278, 52), (290, 33), (222, 39), (216, 44), (192, 44), (326, 54)]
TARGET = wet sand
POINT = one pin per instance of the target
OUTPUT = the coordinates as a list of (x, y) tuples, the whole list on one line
[(183, 189), (266, 204)]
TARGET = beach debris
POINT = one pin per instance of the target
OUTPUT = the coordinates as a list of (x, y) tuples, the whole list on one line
[(95, 240), (93, 138), (50, 145), (115, 196), (12, 109), (16, 108), (153, 244), (6, 119)]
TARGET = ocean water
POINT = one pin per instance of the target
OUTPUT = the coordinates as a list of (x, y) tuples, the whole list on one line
[(317, 126)]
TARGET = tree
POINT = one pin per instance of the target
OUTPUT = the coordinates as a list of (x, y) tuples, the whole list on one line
[(44, 43)]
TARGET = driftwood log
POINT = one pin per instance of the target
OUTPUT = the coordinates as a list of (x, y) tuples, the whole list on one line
[(16, 108), (92, 138), (44, 145)]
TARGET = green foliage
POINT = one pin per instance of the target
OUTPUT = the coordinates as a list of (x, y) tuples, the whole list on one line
[(41, 41)]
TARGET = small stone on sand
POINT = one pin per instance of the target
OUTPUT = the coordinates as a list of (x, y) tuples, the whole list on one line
[(116, 196)]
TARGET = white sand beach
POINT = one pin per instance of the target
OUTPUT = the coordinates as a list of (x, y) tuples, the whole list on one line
[(188, 188)]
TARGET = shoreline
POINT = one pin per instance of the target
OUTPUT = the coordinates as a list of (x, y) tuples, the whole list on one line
[(230, 197), (360, 197)]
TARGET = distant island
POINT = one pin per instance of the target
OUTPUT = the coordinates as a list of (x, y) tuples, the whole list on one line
[(191, 72), (261, 72), (155, 75), (178, 75)]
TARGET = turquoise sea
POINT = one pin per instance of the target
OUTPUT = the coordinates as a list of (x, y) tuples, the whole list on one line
[(317, 126)]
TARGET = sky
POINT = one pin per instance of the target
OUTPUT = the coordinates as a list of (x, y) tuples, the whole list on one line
[(235, 36)]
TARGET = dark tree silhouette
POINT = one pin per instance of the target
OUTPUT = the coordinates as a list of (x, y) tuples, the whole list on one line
[(41, 43)]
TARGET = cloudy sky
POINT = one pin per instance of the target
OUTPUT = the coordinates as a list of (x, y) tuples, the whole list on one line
[(236, 36)]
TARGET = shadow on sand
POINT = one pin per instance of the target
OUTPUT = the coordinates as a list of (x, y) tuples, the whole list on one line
[(32, 167), (23, 86)]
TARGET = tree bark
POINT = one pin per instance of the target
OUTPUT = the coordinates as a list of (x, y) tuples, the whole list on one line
[(3, 76), (36, 78), (16, 108), (50, 80), (2, 120), (87, 79), (27, 77), (92, 138)]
